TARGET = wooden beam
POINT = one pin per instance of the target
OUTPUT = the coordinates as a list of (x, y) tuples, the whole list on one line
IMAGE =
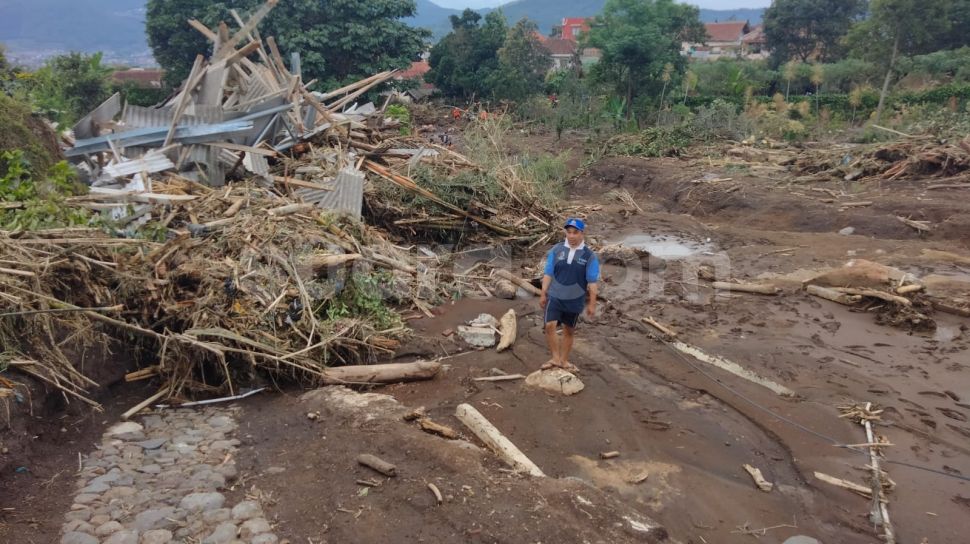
[(496, 441)]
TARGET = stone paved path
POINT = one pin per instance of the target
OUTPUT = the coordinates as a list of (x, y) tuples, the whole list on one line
[(159, 481)]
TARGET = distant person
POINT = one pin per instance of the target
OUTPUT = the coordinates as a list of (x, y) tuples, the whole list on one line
[(569, 287), (456, 114)]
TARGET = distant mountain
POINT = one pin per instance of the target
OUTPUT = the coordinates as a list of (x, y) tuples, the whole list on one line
[(81, 25), (433, 17)]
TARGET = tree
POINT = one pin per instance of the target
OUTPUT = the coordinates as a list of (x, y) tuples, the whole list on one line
[(638, 38), (898, 27), (338, 41), (523, 63), (802, 29), (464, 63), (69, 86)]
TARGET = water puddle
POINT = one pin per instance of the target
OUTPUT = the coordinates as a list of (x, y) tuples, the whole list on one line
[(946, 334), (664, 246)]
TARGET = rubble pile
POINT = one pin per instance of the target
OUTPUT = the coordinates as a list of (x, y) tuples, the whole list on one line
[(252, 229), (908, 158)]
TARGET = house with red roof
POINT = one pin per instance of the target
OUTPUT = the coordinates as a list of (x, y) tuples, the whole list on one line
[(728, 39), (574, 27), (563, 52)]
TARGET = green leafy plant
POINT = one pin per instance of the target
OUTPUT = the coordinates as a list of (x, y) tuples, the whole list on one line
[(363, 296), (400, 113)]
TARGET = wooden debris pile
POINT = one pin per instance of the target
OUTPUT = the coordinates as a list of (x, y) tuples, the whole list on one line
[(908, 158), (250, 283)]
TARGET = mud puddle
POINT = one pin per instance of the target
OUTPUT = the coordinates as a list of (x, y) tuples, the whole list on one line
[(667, 246)]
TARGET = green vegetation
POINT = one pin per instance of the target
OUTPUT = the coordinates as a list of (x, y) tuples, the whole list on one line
[(39, 199), (640, 40), (803, 29), (400, 113), (363, 297), (464, 63), (338, 42), (68, 86)]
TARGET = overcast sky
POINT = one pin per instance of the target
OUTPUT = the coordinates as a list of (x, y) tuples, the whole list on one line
[(712, 4)]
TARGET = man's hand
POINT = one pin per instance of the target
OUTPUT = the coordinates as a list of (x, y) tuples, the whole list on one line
[(591, 310), (543, 300)]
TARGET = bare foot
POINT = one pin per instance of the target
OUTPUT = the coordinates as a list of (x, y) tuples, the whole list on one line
[(551, 363), (569, 367)]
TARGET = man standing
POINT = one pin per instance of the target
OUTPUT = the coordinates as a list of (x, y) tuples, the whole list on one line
[(569, 285)]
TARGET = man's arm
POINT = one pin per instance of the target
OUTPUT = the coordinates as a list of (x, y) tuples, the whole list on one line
[(547, 279), (592, 285)]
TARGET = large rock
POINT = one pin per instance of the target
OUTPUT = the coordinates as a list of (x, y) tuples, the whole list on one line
[(75, 537), (477, 336), (555, 380), (202, 502)]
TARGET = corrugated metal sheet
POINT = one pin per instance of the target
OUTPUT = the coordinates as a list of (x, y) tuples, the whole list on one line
[(346, 197)]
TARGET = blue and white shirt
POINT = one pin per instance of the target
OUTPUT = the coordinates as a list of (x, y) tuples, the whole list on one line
[(572, 270)]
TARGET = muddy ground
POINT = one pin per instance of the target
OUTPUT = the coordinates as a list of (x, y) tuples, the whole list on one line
[(685, 425)]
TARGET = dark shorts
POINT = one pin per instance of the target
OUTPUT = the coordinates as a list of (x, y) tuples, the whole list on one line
[(564, 312)]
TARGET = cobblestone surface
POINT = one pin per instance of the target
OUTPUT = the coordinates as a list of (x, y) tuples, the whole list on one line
[(160, 481)]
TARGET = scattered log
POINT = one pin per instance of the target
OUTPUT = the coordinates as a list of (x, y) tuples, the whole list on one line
[(874, 293), (145, 403), (920, 226), (431, 427), (507, 329), (834, 296), (503, 288), (386, 373), (376, 463), (906, 289), (505, 378), (660, 327), (759, 479), (746, 288), (506, 275), (948, 308), (949, 186), (880, 510), (861, 204), (291, 209), (142, 374), (845, 484), (503, 447), (609, 454)]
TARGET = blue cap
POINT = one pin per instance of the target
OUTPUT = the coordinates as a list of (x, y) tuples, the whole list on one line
[(578, 224)]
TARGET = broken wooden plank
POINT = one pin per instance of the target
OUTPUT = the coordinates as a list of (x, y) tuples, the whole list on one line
[(732, 367), (845, 484), (834, 296), (746, 288), (873, 293), (659, 326), (503, 378), (495, 440)]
